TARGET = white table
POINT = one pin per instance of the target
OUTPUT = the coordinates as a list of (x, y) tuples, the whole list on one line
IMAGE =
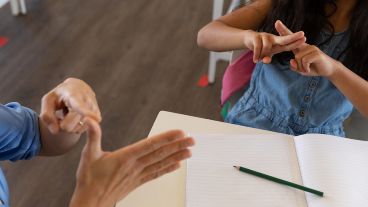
[(169, 190)]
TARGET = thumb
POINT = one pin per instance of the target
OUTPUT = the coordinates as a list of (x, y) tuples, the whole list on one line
[(282, 29), (93, 145), (48, 110)]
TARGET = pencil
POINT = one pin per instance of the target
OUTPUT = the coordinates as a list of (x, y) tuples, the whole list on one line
[(278, 180)]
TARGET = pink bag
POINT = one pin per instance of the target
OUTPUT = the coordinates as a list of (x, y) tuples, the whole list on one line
[(237, 75)]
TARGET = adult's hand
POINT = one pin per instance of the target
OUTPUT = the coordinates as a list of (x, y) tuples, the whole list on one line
[(76, 100), (103, 178)]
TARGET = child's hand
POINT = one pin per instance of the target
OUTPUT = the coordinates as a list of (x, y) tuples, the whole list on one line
[(309, 59), (265, 45)]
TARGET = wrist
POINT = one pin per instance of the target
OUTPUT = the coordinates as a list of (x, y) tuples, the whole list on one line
[(88, 197), (248, 36), (336, 73)]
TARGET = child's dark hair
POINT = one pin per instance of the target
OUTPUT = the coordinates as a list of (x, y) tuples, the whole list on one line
[(311, 17)]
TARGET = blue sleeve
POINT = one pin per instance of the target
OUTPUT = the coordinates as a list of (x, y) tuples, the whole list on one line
[(19, 132)]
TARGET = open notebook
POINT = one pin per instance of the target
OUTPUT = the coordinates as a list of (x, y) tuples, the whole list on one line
[(336, 166)]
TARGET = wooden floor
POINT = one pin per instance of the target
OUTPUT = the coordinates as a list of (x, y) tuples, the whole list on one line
[(140, 57)]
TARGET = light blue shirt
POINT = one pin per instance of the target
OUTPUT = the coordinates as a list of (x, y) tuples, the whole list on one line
[(19, 139), (281, 100)]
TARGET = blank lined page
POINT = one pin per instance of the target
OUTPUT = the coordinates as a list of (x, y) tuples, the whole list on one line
[(213, 182), (337, 166)]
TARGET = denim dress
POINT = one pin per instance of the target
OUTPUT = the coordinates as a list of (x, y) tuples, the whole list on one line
[(281, 100)]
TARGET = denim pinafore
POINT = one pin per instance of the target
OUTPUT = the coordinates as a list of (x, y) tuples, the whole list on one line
[(281, 100)]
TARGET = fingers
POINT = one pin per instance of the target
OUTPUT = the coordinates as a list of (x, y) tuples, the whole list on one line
[(84, 106), (257, 48), (301, 54), (153, 143), (80, 128), (267, 44), (78, 96), (282, 29), (267, 60), (294, 65), (168, 161), (71, 121), (71, 95), (175, 149), (262, 48), (288, 39), (93, 145), (157, 174), (291, 47), (48, 110), (295, 45), (304, 65)]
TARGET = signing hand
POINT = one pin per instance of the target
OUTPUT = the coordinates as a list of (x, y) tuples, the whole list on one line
[(309, 60), (103, 178), (76, 99), (265, 45)]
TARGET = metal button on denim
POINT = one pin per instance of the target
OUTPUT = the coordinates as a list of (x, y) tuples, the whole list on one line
[(312, 84), (306, 98)]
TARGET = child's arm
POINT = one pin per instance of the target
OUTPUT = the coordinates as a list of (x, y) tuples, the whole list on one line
[(236, 31), (227, 32), (352, 86)]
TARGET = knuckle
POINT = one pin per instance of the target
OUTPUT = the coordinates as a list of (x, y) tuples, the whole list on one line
[(44, 116), (47, 97), (148, 144)]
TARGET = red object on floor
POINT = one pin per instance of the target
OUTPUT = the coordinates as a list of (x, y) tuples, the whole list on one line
[(3, 41), (203, 81)]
